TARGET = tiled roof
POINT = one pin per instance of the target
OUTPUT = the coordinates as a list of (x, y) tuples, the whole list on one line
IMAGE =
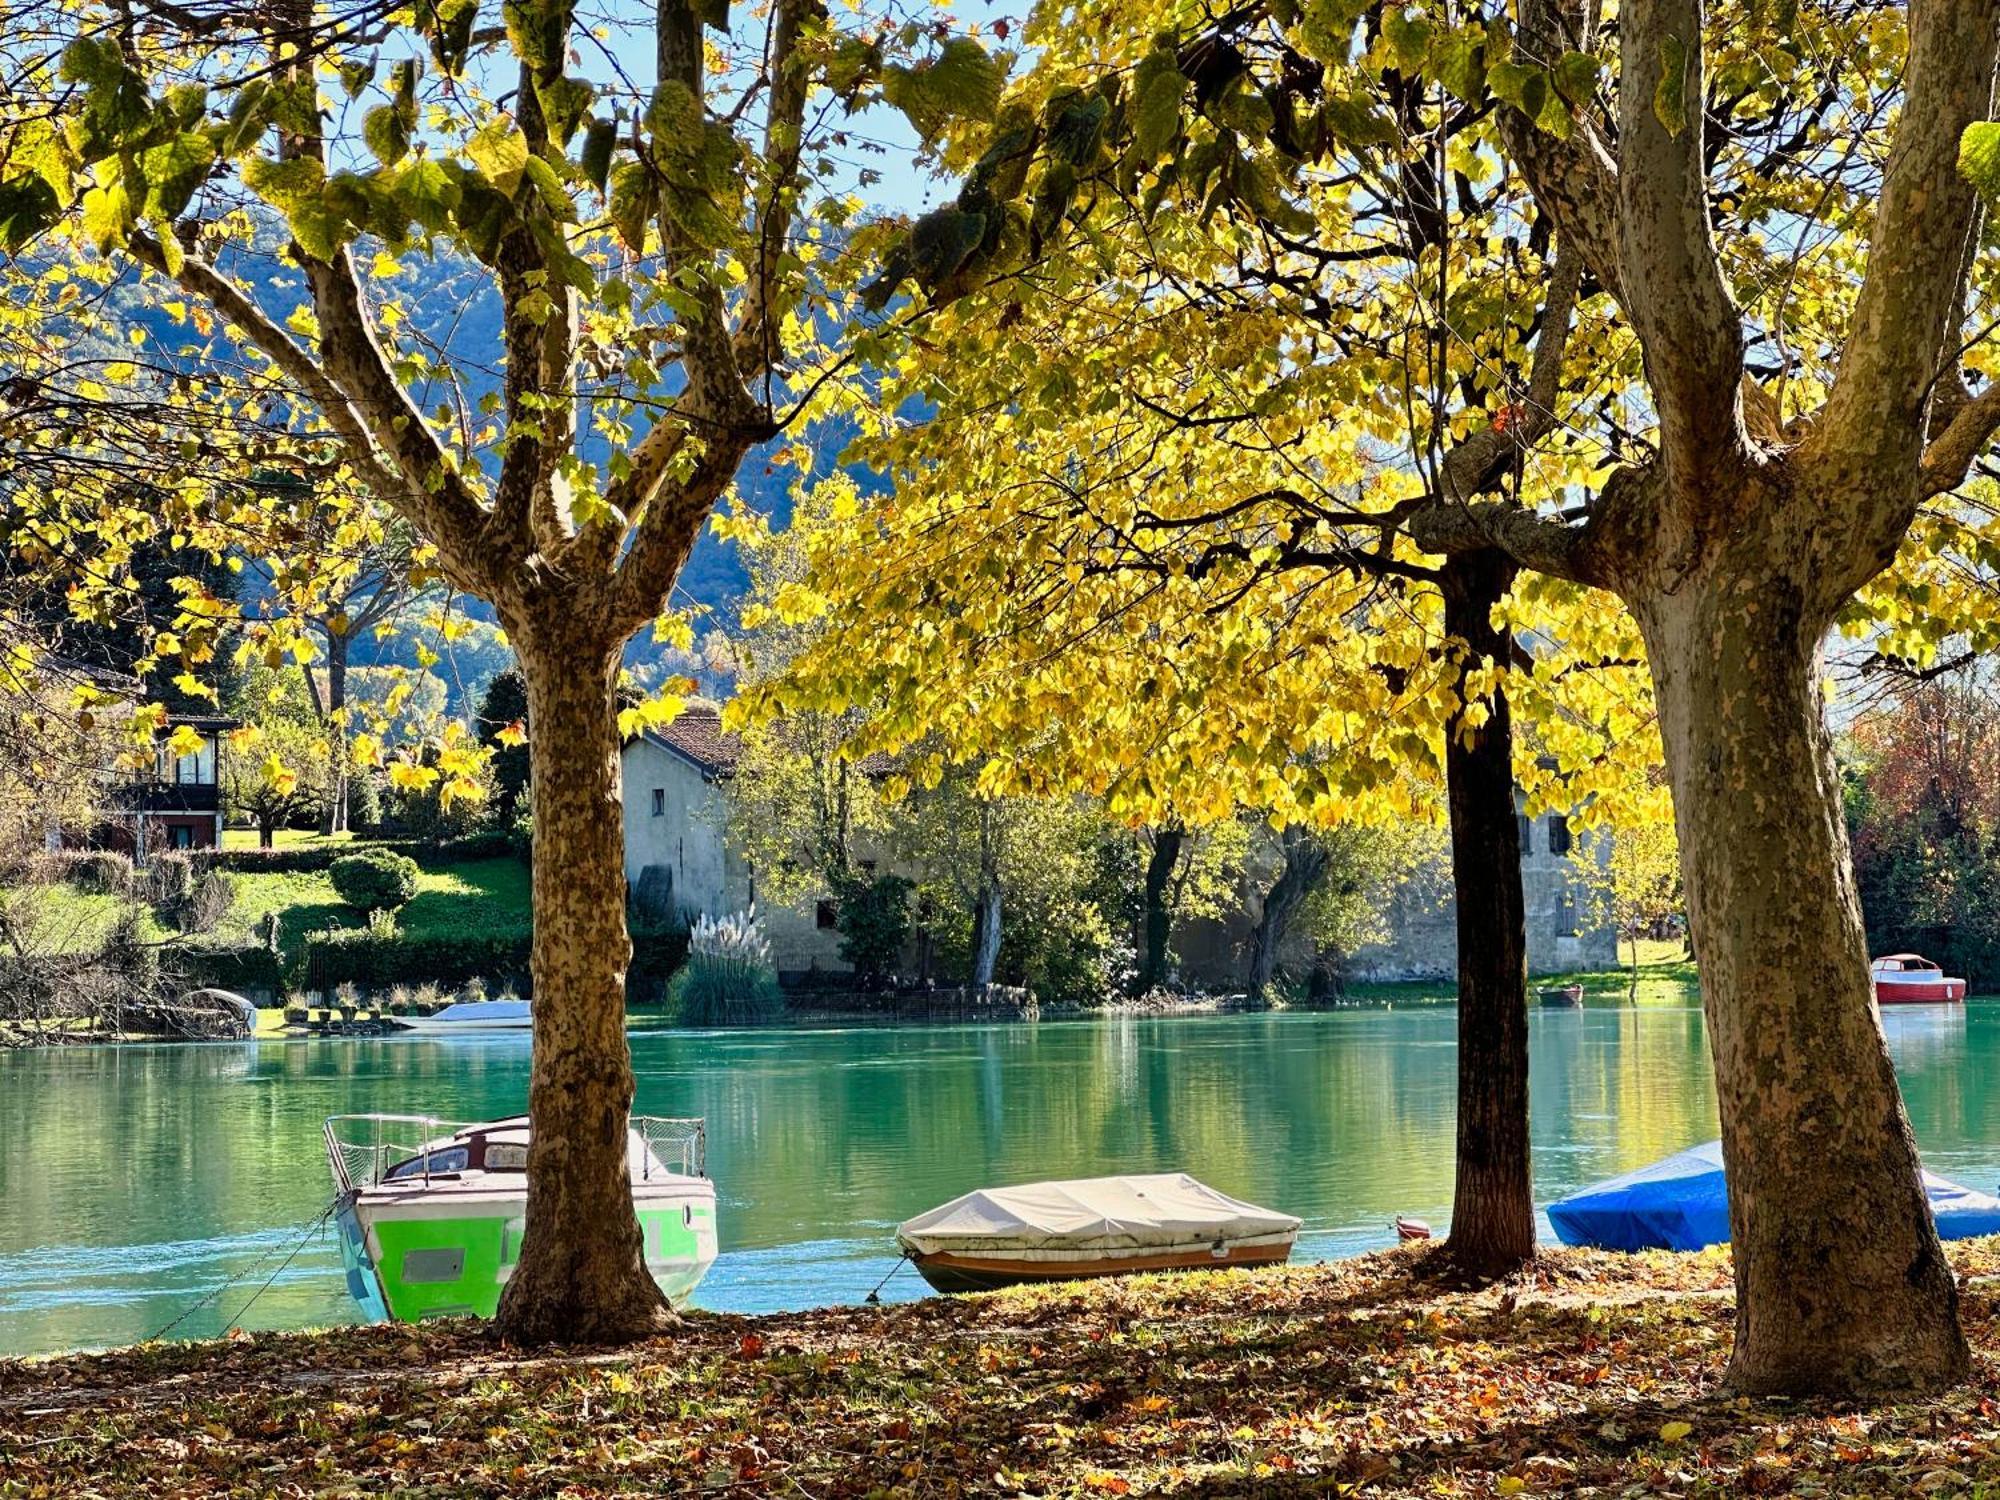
[(698, 735)]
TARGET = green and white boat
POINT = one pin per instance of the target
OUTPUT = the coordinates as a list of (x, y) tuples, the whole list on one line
[(431, 1213)]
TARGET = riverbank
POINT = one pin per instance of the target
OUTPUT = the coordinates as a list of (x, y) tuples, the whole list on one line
[(1595, 1374)]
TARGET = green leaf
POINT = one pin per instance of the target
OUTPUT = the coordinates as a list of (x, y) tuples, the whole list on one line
[(283, 184), (1459, 63), (386, 133), (1979, 158), (1409, 37), (961, 83), (427, 194), (1576, 77), (633, 200), (27, 207), (564, 101), (500, 152), (1670, 96), (355, 78), (175, 169), (598, 144), (94, 60), (1157, 91)]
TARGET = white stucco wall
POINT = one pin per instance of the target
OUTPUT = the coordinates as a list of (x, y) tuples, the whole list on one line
[(674, 817)]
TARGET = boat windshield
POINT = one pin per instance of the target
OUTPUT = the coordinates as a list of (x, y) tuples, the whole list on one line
[(424, 1166)]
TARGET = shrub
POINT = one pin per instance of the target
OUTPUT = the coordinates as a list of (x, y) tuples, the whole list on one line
[(727, 979), (169, 878), (874, 923), (206, 903), (102, 870), (374, 880), (399, 1000), (473, 991)]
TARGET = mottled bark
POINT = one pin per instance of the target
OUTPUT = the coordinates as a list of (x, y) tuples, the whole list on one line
[(1156, 915), (1305, 865), (1493, 1206), (1840, 1282), (985, 932), (334, 818), (581, 1277)]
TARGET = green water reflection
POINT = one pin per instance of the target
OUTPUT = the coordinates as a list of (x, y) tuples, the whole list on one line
[(134, 1180)]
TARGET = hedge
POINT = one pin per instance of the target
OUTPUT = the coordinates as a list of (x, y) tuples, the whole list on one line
[(375, 961), (225, 964), (316, 858)]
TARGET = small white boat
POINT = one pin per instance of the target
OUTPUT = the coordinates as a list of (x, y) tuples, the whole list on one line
[(431, 1214), (473, 1015), (1094, 1226)]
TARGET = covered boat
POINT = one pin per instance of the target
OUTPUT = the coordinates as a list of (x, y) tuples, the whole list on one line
[(431, 1214), (1682, 1203), (1912, 979), (473, 1015), (1093, 1226)]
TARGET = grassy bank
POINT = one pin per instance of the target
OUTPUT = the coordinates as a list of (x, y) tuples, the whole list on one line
[(1665, 976), (1599, 1375), (476, 895)]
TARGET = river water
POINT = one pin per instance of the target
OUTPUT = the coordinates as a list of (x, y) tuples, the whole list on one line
[(135, 1180)]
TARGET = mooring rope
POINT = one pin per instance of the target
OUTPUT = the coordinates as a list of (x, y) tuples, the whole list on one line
[(874, 1298), (214, 1293)]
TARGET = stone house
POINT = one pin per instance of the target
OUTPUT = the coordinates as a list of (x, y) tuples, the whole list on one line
[(1562, 872), (677, 839), (1567, 928)]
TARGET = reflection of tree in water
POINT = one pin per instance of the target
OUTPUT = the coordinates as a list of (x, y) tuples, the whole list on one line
[(1344, 1118)]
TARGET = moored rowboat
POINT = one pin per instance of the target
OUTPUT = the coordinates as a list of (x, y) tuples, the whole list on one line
[(1912, 979), (1094, 1226)]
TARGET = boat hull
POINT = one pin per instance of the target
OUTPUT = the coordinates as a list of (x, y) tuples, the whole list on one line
[(436, 1251), (955, 1271), (1943, 991)]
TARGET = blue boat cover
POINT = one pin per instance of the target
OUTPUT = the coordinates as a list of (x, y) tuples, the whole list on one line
[(1682, 1204)]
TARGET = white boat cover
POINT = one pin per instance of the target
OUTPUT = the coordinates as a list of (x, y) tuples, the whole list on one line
[(1093, 1215)]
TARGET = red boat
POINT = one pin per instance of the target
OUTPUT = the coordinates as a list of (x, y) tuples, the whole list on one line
[(1912, 979)]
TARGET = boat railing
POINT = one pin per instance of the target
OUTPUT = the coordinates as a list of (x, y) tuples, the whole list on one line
[(363, 1149), (680, 1146)]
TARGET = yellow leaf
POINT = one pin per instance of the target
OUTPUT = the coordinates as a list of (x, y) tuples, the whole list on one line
[(514, 734), (1673, 1432)]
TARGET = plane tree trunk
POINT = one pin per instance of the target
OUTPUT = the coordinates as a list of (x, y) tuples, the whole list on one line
[(1841, 1284), (1493, 1206), (581, 1276)]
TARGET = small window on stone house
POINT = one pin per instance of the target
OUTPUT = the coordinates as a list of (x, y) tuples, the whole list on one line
[(1566, 913), (1558, 834), (659, 802), (867, 866), (825, 918), (1527, 834)]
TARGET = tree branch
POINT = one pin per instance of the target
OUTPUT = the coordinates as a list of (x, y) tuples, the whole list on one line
[(1689, 329), (1900, 333), (1574, 181)]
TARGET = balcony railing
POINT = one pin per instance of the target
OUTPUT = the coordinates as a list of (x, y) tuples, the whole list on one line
[(172, 797)]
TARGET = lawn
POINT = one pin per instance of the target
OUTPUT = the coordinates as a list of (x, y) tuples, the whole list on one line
[(1595, 1374), (284, 838), (477, 895)]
